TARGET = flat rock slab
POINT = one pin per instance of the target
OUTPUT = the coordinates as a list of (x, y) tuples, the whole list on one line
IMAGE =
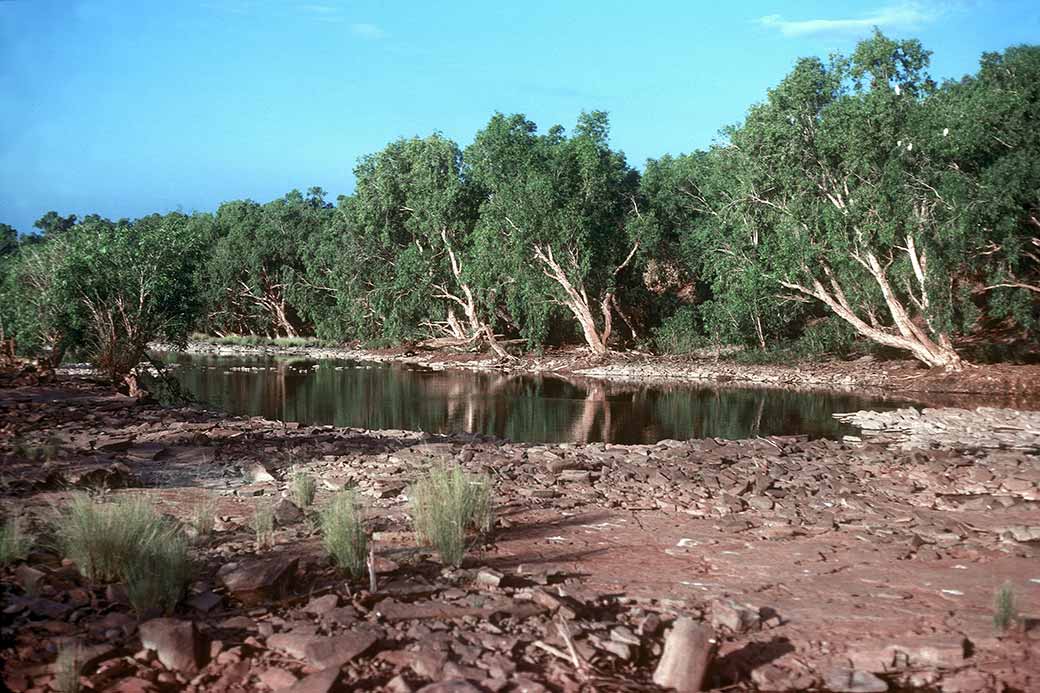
[(393, 610), (258, 581), (323, 651)]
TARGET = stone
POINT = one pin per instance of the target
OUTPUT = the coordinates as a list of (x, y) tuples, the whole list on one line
[(262, 580), (176, 643), (323, 651), (320, 606), (450, 686), (737, 618), (287, 513), (688, 650), (488, 577), (319, 682), (257, 474), (276, 679), (205, 601), (853, 681)]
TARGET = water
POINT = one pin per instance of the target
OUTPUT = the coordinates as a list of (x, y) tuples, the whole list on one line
[(522, 408)]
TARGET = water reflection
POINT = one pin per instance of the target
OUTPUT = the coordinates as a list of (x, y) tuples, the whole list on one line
[(523, 408)]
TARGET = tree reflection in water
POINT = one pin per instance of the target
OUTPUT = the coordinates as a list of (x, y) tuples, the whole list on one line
[(539, 408)]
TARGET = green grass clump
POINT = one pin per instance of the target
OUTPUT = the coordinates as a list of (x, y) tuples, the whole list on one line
[(343, 533), (1005, 611), (303, 489), (203, 518), (14, 542), (128, 540), (263, 524), (67, 669), (448, 503), (158, 575)]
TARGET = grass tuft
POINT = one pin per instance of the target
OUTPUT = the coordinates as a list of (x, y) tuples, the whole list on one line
[(263, 524), (303, 489), (203, 517), (1005, 610), (343, 533), (157, 577), (126, 539), (67, 669), (14, 542), (446, 505)]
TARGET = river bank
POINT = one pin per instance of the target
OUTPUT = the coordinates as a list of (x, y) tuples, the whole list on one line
[(816, 564), (1016, 386)]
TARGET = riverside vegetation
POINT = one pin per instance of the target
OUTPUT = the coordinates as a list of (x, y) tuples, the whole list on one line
[(860, 203)]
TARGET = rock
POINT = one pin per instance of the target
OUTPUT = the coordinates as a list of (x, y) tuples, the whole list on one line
[(257, 474), (320, 606), (323, 651), (450, 686), (393, 610), (206, 601), (489, 577), (258, 581), (320, 682), (688, 651), (853, 681), (737, 618), (176, 643), (276, 679), (287, 513)]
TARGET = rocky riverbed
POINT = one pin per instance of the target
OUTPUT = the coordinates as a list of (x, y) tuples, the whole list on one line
[(778, 564)]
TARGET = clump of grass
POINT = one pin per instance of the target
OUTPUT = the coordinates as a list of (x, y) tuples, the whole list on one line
[(203, 517), (1005, 611), (127, 539), (67, 669), (304, 487), (448, 503), (263, 524), (14, 542), (157, 577), (343, 533), (103, 538)]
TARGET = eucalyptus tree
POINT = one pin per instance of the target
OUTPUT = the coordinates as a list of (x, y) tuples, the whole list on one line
[(415, 211), (256, 260), (829, 187), (551, 229)]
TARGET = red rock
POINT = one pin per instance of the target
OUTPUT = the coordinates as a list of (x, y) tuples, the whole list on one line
[(259, 581), (320, 682), (176, 643), (688, 651)]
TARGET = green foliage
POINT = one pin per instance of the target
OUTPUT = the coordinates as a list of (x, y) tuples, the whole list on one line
[(1005, 610), (343, 533), (446, 505), (304, 486), (14, 542)]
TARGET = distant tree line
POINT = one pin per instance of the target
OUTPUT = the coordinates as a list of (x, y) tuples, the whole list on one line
[(859, 201)]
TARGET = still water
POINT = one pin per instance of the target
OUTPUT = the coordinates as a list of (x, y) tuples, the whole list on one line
[(522, 408)]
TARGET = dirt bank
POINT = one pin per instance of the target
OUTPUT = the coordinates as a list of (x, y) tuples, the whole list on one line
[(817, 564)]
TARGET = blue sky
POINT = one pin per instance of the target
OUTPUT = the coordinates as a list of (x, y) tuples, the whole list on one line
[(126, 108)]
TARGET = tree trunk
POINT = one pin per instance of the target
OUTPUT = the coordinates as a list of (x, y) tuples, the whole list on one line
[(577, 302), (910, 338)]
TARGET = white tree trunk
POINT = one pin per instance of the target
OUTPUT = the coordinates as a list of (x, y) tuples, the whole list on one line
[(577, 302)]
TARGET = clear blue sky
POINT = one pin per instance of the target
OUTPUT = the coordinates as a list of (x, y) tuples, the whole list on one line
[(125, 108)]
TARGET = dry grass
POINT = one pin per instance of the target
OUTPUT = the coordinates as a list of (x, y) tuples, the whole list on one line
[(304, 488), (67, 669), (446, 506), (263, 524), (1005, 610), (14, 542), (343, 533), (203, 517), (127, 539)]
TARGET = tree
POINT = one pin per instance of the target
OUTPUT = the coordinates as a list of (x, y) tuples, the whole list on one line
[(53, 224), (256, 260), (560, 203)]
